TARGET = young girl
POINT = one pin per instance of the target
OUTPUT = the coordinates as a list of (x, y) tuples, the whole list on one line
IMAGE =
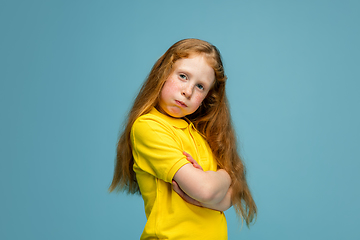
[(179, 151)]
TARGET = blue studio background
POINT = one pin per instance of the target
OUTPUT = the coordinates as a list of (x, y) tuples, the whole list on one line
[(71, 69)]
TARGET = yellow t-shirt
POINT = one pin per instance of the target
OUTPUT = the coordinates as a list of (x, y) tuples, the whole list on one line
[(158, 143)]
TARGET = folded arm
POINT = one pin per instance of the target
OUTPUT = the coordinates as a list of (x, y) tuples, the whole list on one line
[(222, 206), (207, 187)]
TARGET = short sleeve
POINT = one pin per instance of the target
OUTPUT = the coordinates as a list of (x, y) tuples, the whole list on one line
[(156, 148)]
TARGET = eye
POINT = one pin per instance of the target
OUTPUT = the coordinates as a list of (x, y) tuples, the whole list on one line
[(183, 76), (200, 86)]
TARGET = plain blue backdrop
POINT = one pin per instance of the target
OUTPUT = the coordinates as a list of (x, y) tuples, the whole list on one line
[(70, 70)]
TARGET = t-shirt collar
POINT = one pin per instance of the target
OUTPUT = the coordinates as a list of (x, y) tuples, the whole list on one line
[(176, 122)]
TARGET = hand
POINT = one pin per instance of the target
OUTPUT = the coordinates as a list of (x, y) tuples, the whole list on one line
[(192, 161)]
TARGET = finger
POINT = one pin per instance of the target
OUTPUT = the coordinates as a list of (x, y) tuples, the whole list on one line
[(196, 165), (189, 157), (186, 154), (174, 183), (177, 189), (192, 161)]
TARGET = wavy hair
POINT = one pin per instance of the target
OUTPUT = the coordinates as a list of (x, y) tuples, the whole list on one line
[(212, 119)]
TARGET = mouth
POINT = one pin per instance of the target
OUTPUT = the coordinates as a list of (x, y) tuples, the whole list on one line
[(182, 104)]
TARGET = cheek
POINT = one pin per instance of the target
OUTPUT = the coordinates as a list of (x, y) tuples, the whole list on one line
[(168, 88), (165, 93), (198, 99)]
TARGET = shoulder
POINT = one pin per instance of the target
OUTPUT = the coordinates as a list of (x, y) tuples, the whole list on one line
[(149, 126), (149, 122)]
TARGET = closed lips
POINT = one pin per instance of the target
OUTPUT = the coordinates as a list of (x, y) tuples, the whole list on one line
[(181, 103)]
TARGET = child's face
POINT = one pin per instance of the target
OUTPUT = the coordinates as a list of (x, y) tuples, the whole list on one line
[(187, 86)]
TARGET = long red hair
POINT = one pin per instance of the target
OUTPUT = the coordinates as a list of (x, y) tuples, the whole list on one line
[(212, 119)]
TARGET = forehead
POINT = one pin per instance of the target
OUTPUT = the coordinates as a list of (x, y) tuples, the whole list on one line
[(197, 67), (195, 61)]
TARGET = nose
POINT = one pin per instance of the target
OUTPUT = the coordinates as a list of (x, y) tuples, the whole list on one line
[(187, 90)]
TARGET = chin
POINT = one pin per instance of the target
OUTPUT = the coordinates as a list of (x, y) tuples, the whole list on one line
[(169, 113), (177, 115)]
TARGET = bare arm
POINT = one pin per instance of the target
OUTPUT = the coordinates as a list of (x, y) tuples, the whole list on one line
[(222, 206), (207, 187)]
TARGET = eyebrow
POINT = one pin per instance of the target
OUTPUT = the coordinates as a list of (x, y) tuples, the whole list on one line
[(184, 70)]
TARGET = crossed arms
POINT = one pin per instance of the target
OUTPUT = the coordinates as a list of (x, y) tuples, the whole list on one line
[(207, 189), (156, 147)]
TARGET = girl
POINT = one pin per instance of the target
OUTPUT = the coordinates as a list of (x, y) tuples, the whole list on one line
[(178, 148)]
